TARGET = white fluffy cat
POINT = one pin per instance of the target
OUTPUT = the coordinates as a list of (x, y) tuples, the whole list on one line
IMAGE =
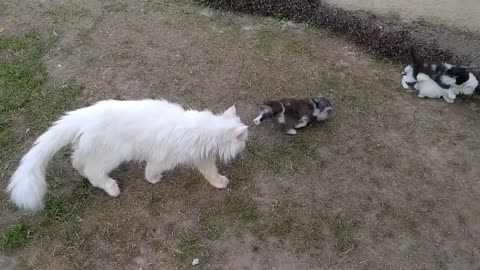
[(109, 132)]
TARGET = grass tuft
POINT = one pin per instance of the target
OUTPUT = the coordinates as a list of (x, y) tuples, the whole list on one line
[(190, 247), (83, 189), (342, 232), (15, 236), (210, 222), (58, 209), (282, 227), (242, 208), (24, 97)]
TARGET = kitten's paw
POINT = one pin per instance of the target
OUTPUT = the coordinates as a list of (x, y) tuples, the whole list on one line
[(220, 182), (112, 189), (449, 100), (154, 180), (291, 132), (451, 95), (257, 121)]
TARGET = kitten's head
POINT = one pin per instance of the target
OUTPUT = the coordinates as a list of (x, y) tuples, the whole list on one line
[(323, 108), (235, 136)]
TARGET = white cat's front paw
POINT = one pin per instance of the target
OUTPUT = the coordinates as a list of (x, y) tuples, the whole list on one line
[(256, 121), (220, 182), (112, 189), (451, 95), (154, 180)]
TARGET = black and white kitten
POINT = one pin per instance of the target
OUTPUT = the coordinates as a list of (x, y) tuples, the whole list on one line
[(293, 114), (436, 80)]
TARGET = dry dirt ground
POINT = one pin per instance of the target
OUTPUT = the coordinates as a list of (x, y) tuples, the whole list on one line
[(391, 182)]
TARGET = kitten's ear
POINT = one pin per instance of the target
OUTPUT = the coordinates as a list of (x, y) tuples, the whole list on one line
[(241, 133), (317, 99), (230, 112), (266, 107)]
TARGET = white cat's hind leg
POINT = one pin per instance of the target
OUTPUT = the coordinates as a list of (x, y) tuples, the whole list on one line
[(96, 171), (104, 182), (154, 170), (78, 163)]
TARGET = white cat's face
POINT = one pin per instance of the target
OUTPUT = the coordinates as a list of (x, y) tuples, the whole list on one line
[(239, 142), (236, 137)]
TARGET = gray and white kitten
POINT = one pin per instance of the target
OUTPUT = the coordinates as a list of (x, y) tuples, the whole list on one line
[(293, 114)]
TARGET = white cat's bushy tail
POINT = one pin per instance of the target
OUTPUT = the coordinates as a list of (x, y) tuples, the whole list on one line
[(28, 186)]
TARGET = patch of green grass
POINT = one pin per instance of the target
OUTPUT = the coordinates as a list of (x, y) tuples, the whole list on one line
[(242, 208), (342, 232), (254, 148), (58, 209), (241, 174), (210, 222), (15, 236), (83, 188), (190, 181), (205, 3), (190, 247), (24, 96), (154, 198), (54, 177), (281, 16), (71, 237), (283, 226)]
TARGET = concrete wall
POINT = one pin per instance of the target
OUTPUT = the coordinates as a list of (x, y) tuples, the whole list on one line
[(459, 13)]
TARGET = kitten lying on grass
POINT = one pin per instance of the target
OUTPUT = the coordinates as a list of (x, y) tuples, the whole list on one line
[(293, 114), (438, 80), (109, 132)]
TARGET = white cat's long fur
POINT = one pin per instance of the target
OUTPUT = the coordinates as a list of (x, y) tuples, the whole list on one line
[(109, 132)]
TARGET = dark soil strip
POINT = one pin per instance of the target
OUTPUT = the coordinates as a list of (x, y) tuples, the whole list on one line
[(386, 39)]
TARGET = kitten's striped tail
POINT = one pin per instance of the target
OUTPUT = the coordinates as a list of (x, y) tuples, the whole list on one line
[(273, 108), (416, 59)]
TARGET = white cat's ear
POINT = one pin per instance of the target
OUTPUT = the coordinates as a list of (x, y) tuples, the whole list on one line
[(230, 112), (241, 133)]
